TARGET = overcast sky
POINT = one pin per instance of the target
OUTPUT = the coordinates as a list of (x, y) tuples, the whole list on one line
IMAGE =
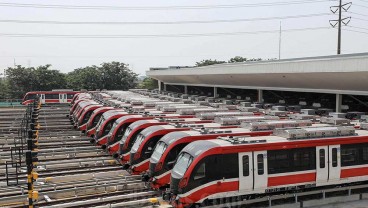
[(66, 54)]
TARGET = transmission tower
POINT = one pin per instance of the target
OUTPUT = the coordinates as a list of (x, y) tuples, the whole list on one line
[(340, 21)]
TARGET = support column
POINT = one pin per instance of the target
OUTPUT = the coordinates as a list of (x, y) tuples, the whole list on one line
[(338, 102), (159, 85), (185, 89), (260, 96), (164, 87), (215, 95)]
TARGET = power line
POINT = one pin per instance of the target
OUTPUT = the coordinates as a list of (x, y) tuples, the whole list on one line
[(356, 31), (362, 28), (359, 5), (88, 7), (162, 23), (366, 15), (357, 18), (152, 35)]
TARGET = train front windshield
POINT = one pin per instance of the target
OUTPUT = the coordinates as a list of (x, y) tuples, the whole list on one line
[(158, 151), (182, 164), (138, 143), (126, 134), (99, 124), (113, 128)]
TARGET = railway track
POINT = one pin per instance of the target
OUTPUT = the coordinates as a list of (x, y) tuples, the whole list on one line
[(72, 172)]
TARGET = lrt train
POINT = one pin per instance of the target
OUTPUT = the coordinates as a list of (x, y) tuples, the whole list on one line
[(85, 115), (291, 159), (142, 148), (130, 135), (121, 127), (171, 144), (49, 97), (94, 119)]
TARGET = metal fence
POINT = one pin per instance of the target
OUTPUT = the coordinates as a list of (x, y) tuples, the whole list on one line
[(10, 103)]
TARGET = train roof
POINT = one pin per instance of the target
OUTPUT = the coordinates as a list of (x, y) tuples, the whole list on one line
[(102, 109), (52, 92), (147, 131), (240, 144), (124, 118), (111, 113), (136, 124), (93, 106)]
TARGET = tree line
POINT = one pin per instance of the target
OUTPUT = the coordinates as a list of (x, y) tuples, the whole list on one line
[(110, 76)]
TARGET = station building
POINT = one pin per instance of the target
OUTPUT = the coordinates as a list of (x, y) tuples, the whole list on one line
[(339, 82)]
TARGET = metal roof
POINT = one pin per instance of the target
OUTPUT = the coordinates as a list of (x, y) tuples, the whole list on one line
[(338, 74)]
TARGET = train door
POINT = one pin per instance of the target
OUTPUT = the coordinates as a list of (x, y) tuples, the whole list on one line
[(246, 171), (42, 98), (63, 98), (334, 163), (321, 165), (260, 170)]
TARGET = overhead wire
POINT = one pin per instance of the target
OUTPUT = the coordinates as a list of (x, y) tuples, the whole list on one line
[(100, 7), (161, 22), (154, 35)]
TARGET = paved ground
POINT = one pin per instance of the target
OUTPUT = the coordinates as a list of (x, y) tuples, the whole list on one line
[(355, 204)]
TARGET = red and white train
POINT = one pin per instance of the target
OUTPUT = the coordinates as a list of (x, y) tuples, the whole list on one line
[(208, 170), (49, 97)]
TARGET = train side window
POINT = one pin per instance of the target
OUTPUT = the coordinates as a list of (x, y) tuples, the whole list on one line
[(260, 164), (245, 160), (70, 96), (278, 161), (334, 157), (349, 155), (365, 154), (322, 160), (201, 172), (304, 159)]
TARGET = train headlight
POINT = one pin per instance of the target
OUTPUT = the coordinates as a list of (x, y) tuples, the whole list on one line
[(158, 166), (183, 182)]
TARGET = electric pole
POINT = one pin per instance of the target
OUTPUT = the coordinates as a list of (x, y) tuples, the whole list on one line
[(340, 21), (280, 42)]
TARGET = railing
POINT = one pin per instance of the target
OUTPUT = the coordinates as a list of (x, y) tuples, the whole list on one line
[(10, 103)]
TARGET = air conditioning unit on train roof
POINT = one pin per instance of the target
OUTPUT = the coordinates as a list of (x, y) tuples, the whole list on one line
[(271, 125), (315, 132)]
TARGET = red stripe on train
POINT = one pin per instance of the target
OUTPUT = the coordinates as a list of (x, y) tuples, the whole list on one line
[(209, 190), (291, 179), (354, 172)]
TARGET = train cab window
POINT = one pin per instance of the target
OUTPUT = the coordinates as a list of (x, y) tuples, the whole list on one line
[(201, 172), (322, 158), (334, 157), (260, 164), (245, 160)]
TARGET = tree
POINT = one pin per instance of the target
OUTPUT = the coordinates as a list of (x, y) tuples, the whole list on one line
[(47, 79), (110, 76), (3, 89), (20, 80), (242, 59), (148, 83), (117, 76), (208, 62), (84, 78)]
